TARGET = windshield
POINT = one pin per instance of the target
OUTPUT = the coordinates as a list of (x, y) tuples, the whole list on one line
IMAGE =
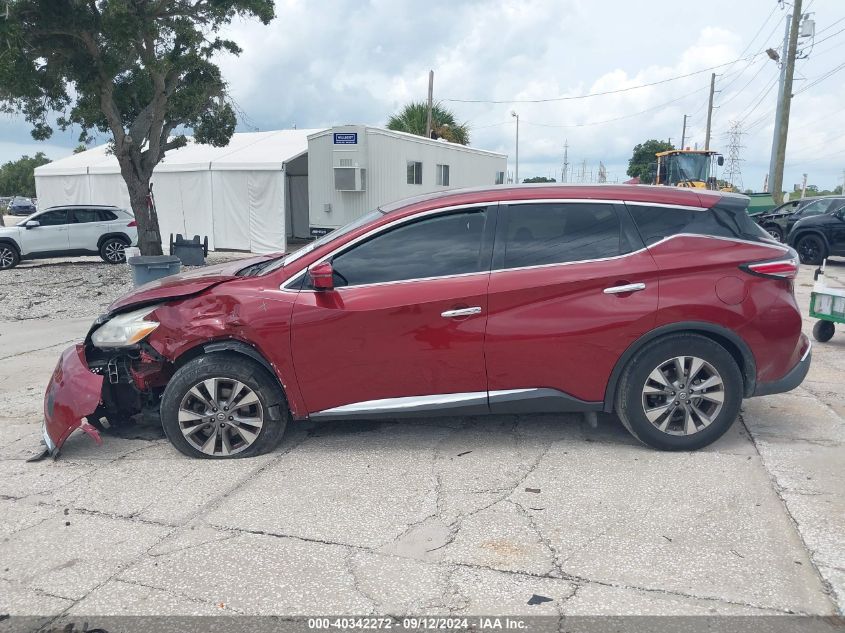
[(328, 237), (685, 167)]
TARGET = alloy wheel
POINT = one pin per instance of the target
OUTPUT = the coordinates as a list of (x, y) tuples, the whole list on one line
[(809, 251), (683, 395), (115, 251), (7, 257), (221, 416)]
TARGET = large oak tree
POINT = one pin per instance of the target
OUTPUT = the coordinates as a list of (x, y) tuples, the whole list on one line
[(139, 71)]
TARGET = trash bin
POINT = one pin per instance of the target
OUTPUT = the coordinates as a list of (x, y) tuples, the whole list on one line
[(131, 251), (190, 252), (151, 267)]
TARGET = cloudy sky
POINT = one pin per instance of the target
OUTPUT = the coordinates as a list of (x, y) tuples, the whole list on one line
[(334, 62)]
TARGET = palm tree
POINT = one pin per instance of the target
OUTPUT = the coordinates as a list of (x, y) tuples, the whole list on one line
[(412, 119)]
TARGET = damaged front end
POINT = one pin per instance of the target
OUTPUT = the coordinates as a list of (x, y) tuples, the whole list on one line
[(106, 381)]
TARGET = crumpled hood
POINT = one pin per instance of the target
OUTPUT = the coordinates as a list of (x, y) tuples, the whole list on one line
[(187, 283)]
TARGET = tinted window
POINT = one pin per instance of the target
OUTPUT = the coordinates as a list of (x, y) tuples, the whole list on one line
[(432, 247), (81, 216), (656, 223), (821, 206), (555, 233), (106, 216), (52, 218)]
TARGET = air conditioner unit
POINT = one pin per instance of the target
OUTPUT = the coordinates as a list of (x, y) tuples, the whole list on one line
[(350, 179)]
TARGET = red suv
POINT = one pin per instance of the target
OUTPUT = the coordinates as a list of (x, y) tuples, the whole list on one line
[(666, 306)]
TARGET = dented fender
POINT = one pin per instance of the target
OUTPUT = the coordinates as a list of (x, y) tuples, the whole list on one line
[(72, 394)]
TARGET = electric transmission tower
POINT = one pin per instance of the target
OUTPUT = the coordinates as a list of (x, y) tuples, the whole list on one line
[(733, 169)]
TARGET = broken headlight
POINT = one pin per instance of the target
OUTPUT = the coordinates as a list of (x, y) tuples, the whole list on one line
[(125, 329)]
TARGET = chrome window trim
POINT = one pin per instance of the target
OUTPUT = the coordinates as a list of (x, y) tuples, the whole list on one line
[(666, 205), (386, 227), (284, 287), (807, 352)]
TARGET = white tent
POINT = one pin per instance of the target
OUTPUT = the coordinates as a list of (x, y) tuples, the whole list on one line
[(238, 195)]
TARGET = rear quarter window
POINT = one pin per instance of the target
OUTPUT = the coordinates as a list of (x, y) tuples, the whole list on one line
[(657, 223)]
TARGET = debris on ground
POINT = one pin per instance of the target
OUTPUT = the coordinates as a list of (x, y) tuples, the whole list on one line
[(535, 599)]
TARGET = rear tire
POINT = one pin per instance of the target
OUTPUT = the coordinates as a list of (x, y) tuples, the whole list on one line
[(670, 410), (9, 257), (811, 249), (223, 406), (112, 250), (823, 331)]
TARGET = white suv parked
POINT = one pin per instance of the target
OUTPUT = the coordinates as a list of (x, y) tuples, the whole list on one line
[(67, 231)]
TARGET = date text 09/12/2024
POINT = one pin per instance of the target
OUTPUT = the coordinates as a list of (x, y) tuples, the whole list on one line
[(418, 623)]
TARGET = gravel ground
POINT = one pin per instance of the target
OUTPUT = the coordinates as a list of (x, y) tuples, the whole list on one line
[(69, 287)]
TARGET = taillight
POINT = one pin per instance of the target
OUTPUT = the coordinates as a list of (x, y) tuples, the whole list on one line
[(786, 268), (132, 223)]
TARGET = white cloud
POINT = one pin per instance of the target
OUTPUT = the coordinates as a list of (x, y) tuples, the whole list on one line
[(344, 61)]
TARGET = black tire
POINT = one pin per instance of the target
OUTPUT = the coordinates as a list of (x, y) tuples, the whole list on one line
[(823, 331), (112, 250), (811, 249), (635, 383), (9, 256), (774, 230), (227, 368)]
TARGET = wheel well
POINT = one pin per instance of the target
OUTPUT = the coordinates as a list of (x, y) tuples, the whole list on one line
[(229, 346), (12, 243), (805, 232), (727, 339), (121, 236)]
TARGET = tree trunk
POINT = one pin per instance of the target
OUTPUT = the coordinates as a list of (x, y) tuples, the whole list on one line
[(149, 235)]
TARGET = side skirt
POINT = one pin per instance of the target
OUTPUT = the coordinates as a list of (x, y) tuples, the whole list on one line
[(514, 401)]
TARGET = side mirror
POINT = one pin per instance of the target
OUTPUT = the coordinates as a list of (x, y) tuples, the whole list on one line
[(322, 276), (720, 161), (32, 224)]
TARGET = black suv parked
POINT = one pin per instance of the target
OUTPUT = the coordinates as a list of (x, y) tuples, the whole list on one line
[(819, 236), (779, 222)]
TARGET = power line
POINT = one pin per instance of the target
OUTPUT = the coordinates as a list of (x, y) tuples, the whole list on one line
[(619, 118), (830, 26), (749, 64), (828, 37), (821, 78), (595, 94)]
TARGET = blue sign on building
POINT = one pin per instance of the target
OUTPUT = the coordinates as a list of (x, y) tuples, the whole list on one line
[(346, 138)]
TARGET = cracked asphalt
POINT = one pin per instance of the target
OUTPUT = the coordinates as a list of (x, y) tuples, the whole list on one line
[(439, 516)]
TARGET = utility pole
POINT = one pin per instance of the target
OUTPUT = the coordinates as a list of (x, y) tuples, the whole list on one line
[(430, 103), (564, 173), (684, 133), (804, 187), (710, 111), (787, 71), (514, 114)]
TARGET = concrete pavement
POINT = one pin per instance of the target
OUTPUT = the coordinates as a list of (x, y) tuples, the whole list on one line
[(454, 515)]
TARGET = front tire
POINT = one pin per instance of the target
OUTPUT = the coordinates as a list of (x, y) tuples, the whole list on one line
[(680, 393), (775, 231), (222, 406), (811, 249), (9, 257), (112, 250)]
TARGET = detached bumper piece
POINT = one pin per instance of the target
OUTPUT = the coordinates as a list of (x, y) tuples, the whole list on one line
[(73, 393)]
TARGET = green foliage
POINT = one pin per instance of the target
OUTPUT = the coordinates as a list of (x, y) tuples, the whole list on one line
[(640, 163), (413, 117), (17, 178), (138, 71), (538, 179)]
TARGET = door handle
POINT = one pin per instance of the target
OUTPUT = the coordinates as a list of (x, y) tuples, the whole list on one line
[(451, 314), (618, 290)]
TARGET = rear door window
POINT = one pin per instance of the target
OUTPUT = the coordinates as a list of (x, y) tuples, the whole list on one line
[(84, 216), (554, 233)]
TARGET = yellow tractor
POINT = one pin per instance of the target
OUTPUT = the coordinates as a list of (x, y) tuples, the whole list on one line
[(687, 168)]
